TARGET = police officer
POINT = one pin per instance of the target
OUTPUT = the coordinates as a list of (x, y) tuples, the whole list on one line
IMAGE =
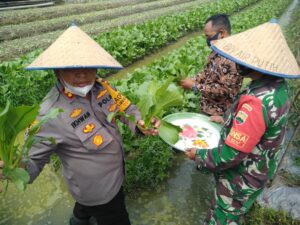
[(88, 145), (251, 141)]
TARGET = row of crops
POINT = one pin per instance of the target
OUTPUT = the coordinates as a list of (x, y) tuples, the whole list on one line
[(149, 157), (39, 34), (126, 44)]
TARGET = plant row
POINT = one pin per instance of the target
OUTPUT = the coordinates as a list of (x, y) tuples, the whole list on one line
[(17, 47), (11, 32), (29, 15), (126, 44)]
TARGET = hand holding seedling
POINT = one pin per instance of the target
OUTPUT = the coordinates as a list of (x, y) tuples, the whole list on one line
[(153, 130)]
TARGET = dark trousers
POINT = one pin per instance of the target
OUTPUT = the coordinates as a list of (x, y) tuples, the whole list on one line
[(111, 213)]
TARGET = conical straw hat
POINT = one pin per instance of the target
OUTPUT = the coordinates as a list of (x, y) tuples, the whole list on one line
[(74, 49), (262, 48)]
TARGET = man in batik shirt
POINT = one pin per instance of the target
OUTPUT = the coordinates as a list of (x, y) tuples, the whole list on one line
[(251, 141), (219, 83)]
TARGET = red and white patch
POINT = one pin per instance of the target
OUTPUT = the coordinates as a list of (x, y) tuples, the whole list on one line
[(245, 135)]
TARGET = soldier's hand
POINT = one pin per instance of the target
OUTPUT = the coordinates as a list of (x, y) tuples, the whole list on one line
[(217, 119), (153, 130), (191, 153), (187, 83)]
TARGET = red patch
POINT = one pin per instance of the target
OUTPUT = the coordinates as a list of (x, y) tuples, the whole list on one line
[(244, 136), (237, 138)]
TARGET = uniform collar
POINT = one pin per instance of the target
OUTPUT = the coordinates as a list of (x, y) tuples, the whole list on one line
[(264, 81), (66, 94)]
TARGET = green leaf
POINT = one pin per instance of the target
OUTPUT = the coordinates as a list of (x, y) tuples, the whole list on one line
[(50, 115), (113, 115), (18, 176), (169, 132)]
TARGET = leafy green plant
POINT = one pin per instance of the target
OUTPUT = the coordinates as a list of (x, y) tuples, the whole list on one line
[(259, 215), (13, 121), (155, 101)]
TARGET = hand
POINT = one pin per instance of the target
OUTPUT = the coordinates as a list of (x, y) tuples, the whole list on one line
[(152, 131), (187, 83), (217, 119), (191, 153)]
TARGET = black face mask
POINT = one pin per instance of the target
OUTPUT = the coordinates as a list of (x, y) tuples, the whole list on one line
[(215, 37)]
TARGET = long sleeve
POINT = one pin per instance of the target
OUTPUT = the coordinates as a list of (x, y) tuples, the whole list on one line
[(40, 153), (218, 159)]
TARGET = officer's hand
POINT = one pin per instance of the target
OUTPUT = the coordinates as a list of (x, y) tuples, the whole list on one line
[(191, 153), (217, 119), (187, 83), (153, 130)]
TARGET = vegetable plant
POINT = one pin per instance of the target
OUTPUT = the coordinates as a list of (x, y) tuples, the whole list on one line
[(13, 122)]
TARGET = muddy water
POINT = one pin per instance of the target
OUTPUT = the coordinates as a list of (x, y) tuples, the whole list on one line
[(286, 17), (182, 200)]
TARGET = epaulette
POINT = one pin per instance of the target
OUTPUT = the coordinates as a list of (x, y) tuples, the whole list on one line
[(50, 99)]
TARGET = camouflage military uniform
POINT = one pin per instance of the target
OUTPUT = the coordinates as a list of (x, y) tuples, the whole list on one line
[(249, 149), (219, 84)]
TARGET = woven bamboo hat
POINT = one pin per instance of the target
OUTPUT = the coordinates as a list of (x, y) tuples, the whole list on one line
[(74, 49), (262, 48)]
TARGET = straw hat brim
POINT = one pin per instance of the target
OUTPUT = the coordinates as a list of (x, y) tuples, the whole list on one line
[(262, 48), (74, 49)]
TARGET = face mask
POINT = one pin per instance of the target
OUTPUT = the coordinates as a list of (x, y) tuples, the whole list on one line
[(215, 37), (80, 91), (243, 71)]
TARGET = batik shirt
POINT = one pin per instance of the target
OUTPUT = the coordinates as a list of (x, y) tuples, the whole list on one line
[(251, 139), (219, 84)]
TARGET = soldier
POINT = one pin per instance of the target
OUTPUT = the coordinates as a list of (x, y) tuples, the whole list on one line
[(219, 83), (88, 145), (251, 139)]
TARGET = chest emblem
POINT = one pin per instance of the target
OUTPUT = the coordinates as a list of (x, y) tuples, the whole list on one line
[(101, 94), (75, 113), (98, 140), (88, 128)]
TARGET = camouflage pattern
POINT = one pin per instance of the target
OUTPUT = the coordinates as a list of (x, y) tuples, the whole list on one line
[(241, 176), (219, 84)]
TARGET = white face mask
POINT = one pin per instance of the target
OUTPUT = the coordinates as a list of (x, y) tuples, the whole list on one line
[(80, 91)]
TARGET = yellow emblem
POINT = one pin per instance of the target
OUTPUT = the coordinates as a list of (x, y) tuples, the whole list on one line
[(112, 108), (68, 94), (98, 140), (75, 113), (101, 93), (88, 128)]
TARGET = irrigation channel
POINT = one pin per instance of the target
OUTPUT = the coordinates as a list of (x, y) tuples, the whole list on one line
[(183, 199)]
